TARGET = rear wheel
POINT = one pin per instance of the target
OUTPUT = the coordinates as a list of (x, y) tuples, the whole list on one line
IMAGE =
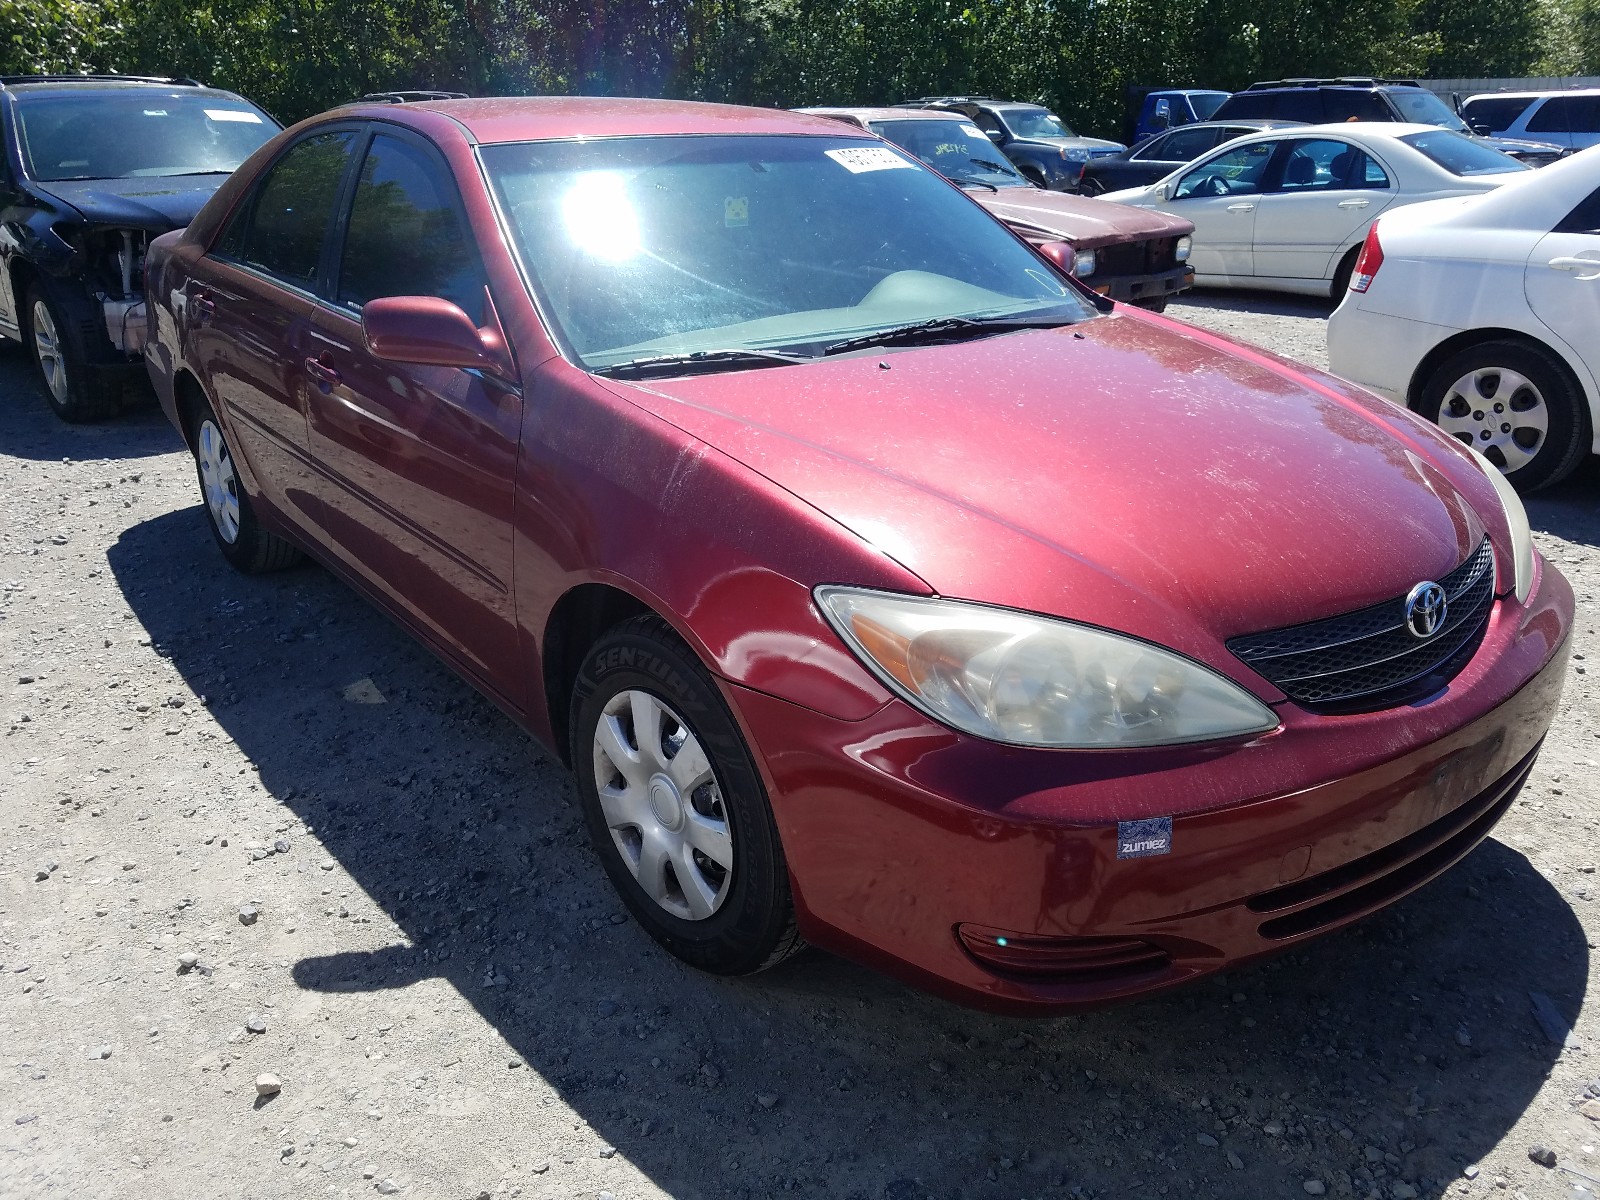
[(74, 390), (675, 806), (1341, 277), (1090, 186), (243, 542), (1516, 406)]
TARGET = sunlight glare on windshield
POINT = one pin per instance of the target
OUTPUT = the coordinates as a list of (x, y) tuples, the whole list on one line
[(600, 218)]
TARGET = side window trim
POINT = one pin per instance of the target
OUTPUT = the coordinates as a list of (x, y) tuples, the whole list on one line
[(244, 212)]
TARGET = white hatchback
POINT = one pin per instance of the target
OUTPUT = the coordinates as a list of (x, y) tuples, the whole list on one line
[(1484, 315), (1287, 209)]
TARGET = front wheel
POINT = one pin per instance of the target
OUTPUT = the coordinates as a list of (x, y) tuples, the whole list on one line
[(1090, 186), (243, 542), (74, 390), (1516, 406), (675, 806)]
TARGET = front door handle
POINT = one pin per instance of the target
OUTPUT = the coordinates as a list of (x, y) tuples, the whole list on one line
[(1354, 203), (1241, 208), (203, 307), (1578, 264), (323, 371)]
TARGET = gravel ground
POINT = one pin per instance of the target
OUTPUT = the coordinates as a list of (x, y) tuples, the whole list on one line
[(390, 907)]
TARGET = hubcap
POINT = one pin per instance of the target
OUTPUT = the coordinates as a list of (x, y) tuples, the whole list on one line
[(663, 805), (47, 345), (1500, 413), (218, 482)]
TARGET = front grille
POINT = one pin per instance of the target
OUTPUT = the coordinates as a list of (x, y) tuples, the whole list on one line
[(1149, 257), (1369, 659)]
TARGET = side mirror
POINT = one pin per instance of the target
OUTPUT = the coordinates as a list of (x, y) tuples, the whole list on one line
[(1480, 129), (1062, 254), (1162, 117), (429, 331), (1164, 192), (997, 137)]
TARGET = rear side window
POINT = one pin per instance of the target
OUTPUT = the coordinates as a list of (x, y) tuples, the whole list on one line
[(281, 232), (1583, 219), (1354, 106), (1300, 106), (406, 235), (1183, 146), (1554, 115), (1325, 164), (1493, 113)]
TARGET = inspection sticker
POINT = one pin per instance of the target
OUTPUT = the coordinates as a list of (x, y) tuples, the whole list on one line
[(868, 158), (1144, 839), (736, 211), (233, 114)]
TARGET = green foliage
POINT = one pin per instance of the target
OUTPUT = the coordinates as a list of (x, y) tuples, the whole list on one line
[(297, 57)]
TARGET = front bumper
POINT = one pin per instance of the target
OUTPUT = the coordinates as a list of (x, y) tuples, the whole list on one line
[(900, 833), (1140, 289)]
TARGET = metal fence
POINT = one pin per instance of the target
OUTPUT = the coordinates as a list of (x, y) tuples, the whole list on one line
[(1471, 87)]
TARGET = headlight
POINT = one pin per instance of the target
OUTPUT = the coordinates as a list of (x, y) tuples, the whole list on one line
[(1037, 681), (1517, 519), (1083, 263), (1074, 154), (1185, 244)]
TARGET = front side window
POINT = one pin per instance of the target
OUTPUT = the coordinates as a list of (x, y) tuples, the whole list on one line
[(1419, 106), (665, 246), (1554, 115), (282, 231), (1206, 103), (1461, 155), (1494, 114), (957, 149), (406, 236), (1340, 105), (1233, 172), (1036, 123), (122, 133), (1325, 164)]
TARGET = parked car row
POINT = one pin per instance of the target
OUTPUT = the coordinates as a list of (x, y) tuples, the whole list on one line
[(851, 550)]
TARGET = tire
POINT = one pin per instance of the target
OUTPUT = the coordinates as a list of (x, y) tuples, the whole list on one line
[(1341, 276), (1155, 305), (686, 834), (75, 391), (1536, 422), (1032, 175), (251, 549), (1090, 186)]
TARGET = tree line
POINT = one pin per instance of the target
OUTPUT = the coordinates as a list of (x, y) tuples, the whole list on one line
[(297, 57)]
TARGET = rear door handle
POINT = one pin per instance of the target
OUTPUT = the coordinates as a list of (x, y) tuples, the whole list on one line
[(1241, 208), (1354, 203), (324, 372), (1578, 264)]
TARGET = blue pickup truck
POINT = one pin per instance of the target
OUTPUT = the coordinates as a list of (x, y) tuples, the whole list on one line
[(1167, 108)]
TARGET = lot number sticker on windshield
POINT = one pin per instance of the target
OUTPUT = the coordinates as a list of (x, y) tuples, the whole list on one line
[(233, 114), (975, 132), (868, 158)]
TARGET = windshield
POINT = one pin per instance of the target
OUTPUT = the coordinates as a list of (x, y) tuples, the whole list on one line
[(1421, 107), (107, 133), (957, 149), (1461, 155), (1036, 123), (655, 246), (1206, 103)]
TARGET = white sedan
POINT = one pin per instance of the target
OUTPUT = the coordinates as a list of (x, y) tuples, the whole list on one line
[(1287, 209), (1484, 315)]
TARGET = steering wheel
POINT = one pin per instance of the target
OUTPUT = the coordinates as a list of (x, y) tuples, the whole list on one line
[(1215, 186)]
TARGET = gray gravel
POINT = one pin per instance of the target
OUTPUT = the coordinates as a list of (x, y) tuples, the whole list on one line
[(438, 917)]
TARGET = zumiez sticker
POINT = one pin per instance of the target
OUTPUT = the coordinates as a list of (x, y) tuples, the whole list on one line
[(868, 158), (1144, 839), (233, 114)]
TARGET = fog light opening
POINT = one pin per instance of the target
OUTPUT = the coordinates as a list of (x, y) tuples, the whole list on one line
[(1058, 959)]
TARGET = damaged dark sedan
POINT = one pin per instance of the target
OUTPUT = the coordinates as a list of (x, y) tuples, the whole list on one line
[(94, 168)]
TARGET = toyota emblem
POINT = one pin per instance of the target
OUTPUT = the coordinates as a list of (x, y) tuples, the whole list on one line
[(1425, 609)]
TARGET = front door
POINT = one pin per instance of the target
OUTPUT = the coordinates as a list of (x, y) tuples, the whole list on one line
[(418, 462), (1221, 197), (1324, 195)]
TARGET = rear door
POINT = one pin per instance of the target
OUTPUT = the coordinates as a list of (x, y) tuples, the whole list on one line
[(418, 462), (1324, 194), (248, 305), (1221, 195), (1563, 281), (1553, 121)]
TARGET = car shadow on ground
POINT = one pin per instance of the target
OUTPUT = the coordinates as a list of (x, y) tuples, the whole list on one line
[(1251, 301), (29, 430), (1400, 1050), (1571, 509)]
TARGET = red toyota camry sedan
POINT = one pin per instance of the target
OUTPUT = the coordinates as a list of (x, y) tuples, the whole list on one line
[(883, 588)]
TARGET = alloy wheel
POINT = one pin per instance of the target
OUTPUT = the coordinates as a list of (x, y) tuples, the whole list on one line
[(1499, 412), (663, 805), (218, 481), (47, 346)]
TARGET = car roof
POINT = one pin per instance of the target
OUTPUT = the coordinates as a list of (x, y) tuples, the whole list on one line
[(1531, 95), (1359, 130), (23, 84), (1261, 124), (882, 113), (491, 119)]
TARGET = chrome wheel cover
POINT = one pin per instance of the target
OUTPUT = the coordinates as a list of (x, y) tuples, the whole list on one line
[(47, 346), (217, 481), (663, 805), (1500, 413)]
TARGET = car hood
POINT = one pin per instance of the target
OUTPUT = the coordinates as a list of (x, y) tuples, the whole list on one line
[(1521, 145), (151, 202), (1127, 471), (1085, 143), (1084, 222)]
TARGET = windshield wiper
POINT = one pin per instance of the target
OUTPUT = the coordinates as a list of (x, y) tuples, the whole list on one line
[(968, 181), (991, 165), (943, 329), (698, 360)]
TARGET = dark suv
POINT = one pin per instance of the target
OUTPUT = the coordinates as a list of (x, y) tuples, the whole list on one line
[(1320, 101), (94, 167), (1038, 143)]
